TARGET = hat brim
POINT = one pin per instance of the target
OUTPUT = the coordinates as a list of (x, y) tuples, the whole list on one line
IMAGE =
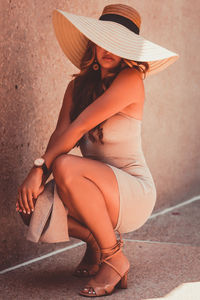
[(73, 31)]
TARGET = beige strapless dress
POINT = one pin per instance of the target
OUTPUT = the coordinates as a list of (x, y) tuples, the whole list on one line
[(121, 151)]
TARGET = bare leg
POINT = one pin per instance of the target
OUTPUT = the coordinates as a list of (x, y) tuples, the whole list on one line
[(80, 179), (89, 264), (89, 190), (87, 200), (77, 230)]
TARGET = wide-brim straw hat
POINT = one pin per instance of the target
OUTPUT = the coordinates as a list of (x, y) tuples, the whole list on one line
[(117, 31)]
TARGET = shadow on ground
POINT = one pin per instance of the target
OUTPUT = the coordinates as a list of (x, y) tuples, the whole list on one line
[(164, 254)]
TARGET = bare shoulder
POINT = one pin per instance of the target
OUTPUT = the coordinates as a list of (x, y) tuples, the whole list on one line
[(134, 79), (70, 86), (64, 116), (131, 80), (68, 93), (131, 74)]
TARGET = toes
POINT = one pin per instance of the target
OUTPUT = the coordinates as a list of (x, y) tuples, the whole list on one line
[(91, 291), (81, 272), (85, 272), (88, 291), (77, 273)]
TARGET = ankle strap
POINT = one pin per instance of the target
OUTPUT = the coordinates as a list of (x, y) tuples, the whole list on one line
[(112, 250)]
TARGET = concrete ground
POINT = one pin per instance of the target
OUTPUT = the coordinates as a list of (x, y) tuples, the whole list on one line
[(164, 256)]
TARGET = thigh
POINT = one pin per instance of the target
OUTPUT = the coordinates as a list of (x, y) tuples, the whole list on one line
[(68, 166)]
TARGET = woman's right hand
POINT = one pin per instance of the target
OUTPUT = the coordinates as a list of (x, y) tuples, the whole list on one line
[(29, 190)]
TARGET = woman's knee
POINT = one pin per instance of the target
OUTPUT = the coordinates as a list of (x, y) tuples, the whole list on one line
[(62, 169)]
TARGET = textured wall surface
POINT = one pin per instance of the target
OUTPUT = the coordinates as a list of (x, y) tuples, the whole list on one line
[(35, 73)]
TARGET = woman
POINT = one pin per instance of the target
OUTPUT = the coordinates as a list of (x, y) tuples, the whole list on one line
[(111, 187)]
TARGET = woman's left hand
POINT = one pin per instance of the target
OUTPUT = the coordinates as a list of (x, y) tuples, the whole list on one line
[(29, 190)]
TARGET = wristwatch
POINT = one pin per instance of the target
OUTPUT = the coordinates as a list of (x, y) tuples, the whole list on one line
[(40, 163)]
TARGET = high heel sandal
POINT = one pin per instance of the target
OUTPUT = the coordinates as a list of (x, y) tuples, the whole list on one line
[(85, 269), (95, 288)]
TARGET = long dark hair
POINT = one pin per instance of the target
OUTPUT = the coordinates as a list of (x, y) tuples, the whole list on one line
[(88, 86)]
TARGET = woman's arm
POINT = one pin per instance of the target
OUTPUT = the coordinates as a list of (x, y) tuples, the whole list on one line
[(127, 88), (63, 121), (55, 135), (33, 184)]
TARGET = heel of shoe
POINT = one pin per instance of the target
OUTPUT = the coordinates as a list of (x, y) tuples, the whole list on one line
[(123, 281)]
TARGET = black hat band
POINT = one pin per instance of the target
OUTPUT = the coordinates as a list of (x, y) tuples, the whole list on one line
[(121, 20)]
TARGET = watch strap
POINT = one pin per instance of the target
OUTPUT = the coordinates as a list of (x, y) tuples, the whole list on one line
[(45, 169)]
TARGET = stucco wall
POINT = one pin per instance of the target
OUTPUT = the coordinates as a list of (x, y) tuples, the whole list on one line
[(35, 73)]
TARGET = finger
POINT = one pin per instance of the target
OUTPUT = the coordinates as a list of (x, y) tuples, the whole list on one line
[(30, 200), (20, 201), (35, 196), (25, 201), (41, 189), (18, 208)]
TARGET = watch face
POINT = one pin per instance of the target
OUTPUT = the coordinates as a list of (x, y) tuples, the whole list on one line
[(39, 162)]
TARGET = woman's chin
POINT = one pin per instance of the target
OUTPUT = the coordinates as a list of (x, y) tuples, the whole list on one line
[(108, 66)]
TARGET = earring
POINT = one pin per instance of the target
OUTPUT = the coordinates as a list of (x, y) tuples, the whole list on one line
[(95, 65)]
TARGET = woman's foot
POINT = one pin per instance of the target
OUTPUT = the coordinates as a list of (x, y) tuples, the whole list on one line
[(113, 272), (89, 265)]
